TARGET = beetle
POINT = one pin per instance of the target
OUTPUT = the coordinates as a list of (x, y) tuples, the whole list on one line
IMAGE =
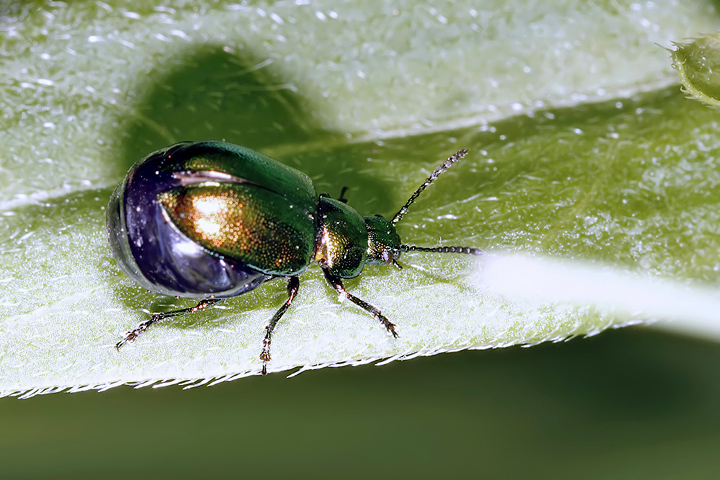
[(212, 220)]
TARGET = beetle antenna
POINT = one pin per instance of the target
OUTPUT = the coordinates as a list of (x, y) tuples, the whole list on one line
[(433, 176), (413, 248)]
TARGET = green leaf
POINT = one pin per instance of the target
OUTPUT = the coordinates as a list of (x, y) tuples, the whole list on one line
[(372, 97)]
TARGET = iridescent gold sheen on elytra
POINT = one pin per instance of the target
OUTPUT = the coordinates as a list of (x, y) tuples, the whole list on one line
[(244, 221)]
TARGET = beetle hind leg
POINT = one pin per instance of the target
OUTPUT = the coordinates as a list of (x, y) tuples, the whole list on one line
[(156, 317), (337, 284), (292, 289)]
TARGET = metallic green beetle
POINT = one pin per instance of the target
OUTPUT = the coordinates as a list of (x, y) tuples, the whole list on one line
[(213, 220)]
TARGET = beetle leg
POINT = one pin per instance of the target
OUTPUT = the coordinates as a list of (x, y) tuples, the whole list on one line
[(337, 284), (292, 289), (156, 317), (342, 198)]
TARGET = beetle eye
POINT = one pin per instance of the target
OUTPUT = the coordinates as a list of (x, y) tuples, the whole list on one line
[(386, 256)]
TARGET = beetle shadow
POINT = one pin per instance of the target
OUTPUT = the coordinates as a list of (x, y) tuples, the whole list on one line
[(214, 93)]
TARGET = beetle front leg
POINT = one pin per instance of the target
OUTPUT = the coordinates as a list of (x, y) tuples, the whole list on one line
[(337, 284), (292, 289), (156, 317)]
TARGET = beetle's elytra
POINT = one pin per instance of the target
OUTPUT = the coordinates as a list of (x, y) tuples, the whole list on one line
[(212, 220)]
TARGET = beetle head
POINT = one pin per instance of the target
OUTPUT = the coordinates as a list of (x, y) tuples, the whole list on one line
[(383, 241)]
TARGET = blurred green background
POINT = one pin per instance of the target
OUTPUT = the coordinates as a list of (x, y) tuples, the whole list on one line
[(627, 404)]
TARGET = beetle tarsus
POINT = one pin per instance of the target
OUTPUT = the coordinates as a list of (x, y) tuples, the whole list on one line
[(292, 289), (265, 355), (337, 284), (390, 327), (133, 334), (156, 317)]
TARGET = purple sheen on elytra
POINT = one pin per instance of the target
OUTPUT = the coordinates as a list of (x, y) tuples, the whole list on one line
[(152, 251)]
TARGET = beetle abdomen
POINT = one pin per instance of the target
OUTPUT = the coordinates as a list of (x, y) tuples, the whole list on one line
[(245, 222), (153, 252)]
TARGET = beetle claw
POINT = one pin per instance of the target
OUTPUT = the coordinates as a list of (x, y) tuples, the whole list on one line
[(391, 328), (129, 337), (265, 357)]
